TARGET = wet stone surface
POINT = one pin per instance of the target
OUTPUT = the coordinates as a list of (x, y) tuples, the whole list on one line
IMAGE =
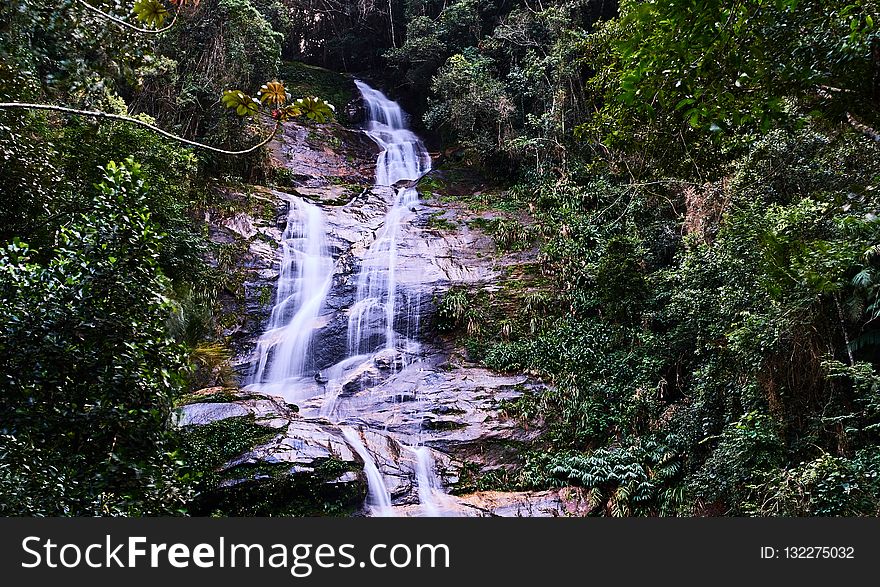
[(415, 395)]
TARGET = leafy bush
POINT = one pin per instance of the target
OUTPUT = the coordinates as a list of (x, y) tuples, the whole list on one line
[(88, 370)]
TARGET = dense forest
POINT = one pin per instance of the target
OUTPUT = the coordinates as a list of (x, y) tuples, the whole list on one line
[(700, 180)]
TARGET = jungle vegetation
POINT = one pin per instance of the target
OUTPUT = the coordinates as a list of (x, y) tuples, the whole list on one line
[(702, 179)]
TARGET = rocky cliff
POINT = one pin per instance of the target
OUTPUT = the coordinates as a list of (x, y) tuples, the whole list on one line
[(447, 403)]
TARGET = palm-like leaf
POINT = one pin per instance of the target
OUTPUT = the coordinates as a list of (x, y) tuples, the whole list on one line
[(288, 112), (316, 109), (150, 12), (243, 104), (273, 94)]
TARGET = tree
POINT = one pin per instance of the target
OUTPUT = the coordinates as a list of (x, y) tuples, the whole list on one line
[(688, 70), (153, 12), (88, 369)]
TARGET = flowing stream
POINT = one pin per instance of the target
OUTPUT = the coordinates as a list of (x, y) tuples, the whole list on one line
[(284, 361), (378, 498)]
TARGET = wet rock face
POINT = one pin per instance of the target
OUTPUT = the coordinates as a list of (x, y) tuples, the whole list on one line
[(355, 111), (418, 395), (302, 469), (247, 252), (554, 503), (312, 153)]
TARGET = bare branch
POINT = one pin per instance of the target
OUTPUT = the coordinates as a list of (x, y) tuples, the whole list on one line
[(106, 115), (863, 128), (128, 25)]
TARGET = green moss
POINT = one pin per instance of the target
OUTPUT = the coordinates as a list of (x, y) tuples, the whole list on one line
[(351, 191), (284, 177), (303, 80), (484, 224), (229, 264), (323, 137), (430, 185), (223, 396), (437, 425), (269, 489), (265, 294), (438, 221)]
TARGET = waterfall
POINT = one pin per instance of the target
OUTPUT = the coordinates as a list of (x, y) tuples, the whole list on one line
[(284, 362), (378, 498), (303, 282), (402, 157), (426, 481)]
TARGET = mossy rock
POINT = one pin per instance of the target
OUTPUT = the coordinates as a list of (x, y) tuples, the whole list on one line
[(329, 488)]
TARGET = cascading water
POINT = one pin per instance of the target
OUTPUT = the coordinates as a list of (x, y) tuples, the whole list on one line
[(426, 481), (284, 363), (378, 498), (403, 157), (303, 282), (372, 317)]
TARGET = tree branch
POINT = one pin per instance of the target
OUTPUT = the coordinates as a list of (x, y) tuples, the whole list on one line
[(128, 25), (106, 115), (863, 128)]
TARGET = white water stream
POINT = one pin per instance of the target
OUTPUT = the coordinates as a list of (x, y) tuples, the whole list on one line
[(284, 359), (378, 498), (403, 157), (303, 283)]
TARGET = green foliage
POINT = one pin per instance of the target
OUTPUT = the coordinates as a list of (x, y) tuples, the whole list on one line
[(746, 450), (637, 480), (731, 346), (175, 188), (150, 12), (620, 280), (473, 103), (825, 486), (224, 44), (725, 81), (712, 71), (455, 310), (116, 278), (243, 104), (512, 96), (302, 79), (206, 448), (88, 369), (429, 41), (315, 108), (274, 95), (602, 376)]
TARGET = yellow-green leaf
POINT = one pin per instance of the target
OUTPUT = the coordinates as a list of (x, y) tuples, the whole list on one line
[(315, 108), (150, 12), (243, 104), (289, 111), (273, 94)]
